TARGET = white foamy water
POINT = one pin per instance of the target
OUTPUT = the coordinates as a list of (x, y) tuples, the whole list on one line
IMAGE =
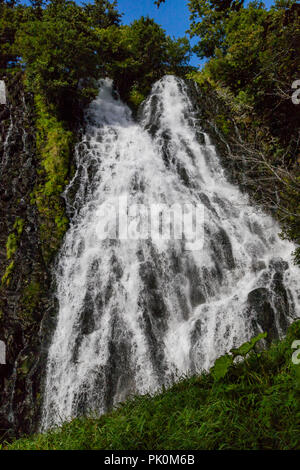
[(136, 314)]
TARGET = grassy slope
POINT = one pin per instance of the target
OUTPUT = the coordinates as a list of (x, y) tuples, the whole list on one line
[(256, 406)]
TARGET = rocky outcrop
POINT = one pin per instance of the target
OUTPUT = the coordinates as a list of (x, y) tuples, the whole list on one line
[(26, 303)]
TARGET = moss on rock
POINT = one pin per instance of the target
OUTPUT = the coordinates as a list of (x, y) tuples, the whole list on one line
[(54, 145)]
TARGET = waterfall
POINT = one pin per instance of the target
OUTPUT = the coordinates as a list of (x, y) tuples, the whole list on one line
[(135, 313)]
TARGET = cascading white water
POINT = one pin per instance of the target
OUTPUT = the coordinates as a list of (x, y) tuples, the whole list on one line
[(136, 314)]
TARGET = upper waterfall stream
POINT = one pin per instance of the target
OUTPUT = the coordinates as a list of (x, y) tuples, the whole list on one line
[(134, 314)]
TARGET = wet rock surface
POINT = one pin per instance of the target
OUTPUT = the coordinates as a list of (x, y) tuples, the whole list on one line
[(25, 298)]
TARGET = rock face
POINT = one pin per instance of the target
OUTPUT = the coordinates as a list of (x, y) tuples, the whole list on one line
[(269, 308), (25, 297)]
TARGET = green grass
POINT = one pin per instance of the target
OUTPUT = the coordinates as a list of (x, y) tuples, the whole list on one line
[(255, 406)]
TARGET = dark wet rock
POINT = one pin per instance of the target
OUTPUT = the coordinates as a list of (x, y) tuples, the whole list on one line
[(153, 123), (200, 137), (261, 313), (281, 300), (27, 305), (258, 265), (270, 308), (196, 331), (222, 249), (279, 265), (206, 201), (119, 370), (155, 314), (87, 322), (196, 286), (183, 174)]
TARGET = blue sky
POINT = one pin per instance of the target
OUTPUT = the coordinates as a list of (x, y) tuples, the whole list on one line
[(173, 16)]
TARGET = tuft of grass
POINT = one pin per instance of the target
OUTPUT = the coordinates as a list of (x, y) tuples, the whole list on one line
[(256, 405)]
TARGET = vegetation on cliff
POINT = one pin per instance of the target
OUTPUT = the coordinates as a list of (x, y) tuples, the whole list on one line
[(11, 248), (253, 61), (54, 145), (254, 405)]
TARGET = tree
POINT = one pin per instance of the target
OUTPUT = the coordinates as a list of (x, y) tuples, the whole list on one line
[(208, 20), (139, 54), (66, 47), (254, 59), (58, 52), (11, 17), (103, 13)]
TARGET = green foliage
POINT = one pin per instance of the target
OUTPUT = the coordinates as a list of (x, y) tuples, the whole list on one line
[(254, 59), (208, 22), (103, 13), (223, 363), (221, 366), (30, 300), (223, 123), (58, 51), (11, 17), (256, 405), (66, 47), (14, 237), (245, 348), (135, 97), (138, 55), (257, 59), (54, 144)]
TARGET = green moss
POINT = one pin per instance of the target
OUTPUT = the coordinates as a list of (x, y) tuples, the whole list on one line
[(14, 237), (5, 281), (54, 144), (25, 366), (19, 225), (11, 248), (255, 405), (11, 245), (30, 300)]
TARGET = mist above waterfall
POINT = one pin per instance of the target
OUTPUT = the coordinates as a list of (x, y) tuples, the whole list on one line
[(135, 314)]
